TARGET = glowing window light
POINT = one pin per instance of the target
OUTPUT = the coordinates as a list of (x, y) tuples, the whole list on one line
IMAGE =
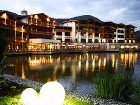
[(122, 47), (48, 19), (36, 17), (112, 47), (4, 16), (29, 97), (54, 21), (136, 47), (127, 46), (52, 93)]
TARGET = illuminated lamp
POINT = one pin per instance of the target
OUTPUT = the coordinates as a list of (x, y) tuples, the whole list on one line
[(136, 47), (127, 46), (48, 19), (29, 97), (36, 17), (52, 93), (122, 47), (4, 16)]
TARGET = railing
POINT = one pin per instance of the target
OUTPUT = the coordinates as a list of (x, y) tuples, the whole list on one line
[(42, 25), (40, 32)]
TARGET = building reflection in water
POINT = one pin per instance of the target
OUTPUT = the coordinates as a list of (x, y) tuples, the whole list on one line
[(75, 67)]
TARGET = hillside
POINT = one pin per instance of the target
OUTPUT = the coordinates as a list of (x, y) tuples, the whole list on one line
[(137, 36), (82, 17)]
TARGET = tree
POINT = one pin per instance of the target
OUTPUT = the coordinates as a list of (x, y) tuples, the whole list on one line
[(3, 44)]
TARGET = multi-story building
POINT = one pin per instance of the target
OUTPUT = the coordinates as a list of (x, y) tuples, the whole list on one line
[(23, 29), (63, 33), (39, 32), (94, 33)]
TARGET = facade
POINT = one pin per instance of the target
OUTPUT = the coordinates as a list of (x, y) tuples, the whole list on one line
[(92, 31), (20, 28), (39, 32), (63, 33), (95, 34)]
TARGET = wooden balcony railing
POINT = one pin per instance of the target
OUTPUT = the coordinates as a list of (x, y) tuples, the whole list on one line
[(40, 32)]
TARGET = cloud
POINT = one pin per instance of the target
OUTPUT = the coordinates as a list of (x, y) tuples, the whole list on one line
[(121, 11), (115, 14)]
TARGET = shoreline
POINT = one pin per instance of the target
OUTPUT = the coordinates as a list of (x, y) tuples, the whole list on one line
[(65, 52), (88, 97)]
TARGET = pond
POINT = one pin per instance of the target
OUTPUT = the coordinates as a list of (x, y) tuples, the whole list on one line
[(74, 71)]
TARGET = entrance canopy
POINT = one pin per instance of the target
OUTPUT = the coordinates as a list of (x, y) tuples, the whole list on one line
[(44, 41)]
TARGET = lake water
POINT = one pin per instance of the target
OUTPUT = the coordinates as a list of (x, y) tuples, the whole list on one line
[(75, 71)]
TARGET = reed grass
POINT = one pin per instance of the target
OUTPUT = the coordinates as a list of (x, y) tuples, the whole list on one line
[(114, 86)]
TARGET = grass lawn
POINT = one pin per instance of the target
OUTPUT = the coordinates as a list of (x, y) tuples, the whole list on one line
[(8, 100), (10, 95), (74, 101)]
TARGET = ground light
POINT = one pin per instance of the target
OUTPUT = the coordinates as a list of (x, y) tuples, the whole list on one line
[(29, 97), (51, 93)]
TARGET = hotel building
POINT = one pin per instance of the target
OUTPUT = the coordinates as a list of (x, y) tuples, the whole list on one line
[(23, 30), (39, 32)]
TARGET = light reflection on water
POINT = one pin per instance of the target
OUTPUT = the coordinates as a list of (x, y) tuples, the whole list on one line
[(75, 71)]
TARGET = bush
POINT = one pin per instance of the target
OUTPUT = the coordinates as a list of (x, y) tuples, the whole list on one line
[(114, 86)]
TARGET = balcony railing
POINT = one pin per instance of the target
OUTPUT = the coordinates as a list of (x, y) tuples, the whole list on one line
[(42, 24), (40, 32)]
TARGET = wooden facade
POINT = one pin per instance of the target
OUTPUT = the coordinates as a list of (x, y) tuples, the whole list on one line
[(20, 28)]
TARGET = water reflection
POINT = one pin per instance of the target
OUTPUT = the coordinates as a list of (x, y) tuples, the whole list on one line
[(70, 69)]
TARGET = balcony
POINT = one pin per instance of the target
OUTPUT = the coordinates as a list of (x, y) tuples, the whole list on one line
[(42, 24), (40, 32), (8, 22)]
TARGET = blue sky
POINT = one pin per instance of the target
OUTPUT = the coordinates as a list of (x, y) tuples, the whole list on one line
[(120, 11)]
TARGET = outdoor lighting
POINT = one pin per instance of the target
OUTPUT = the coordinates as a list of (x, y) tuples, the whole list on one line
[(36, 17), (5, 17), (52, 93), (29, 97), (48, 19), (122, 47)]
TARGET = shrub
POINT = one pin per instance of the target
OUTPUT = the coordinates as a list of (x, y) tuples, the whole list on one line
[(114, 86)]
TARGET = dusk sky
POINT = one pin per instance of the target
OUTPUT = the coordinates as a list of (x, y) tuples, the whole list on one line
[(120, 11)]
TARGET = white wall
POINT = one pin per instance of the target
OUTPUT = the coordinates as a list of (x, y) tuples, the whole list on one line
[(73, 25), (24, 20), (117, 33)]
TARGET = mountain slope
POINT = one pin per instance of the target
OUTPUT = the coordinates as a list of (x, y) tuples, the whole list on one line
[(137, 36), (82, 17)]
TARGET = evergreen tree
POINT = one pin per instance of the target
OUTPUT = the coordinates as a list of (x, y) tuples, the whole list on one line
[(3, 44)]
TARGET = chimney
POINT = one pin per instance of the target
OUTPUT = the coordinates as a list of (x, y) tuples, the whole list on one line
[(24, 13)]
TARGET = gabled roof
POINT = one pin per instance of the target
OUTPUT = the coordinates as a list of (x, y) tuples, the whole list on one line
[(11, 14), (131, 25)]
